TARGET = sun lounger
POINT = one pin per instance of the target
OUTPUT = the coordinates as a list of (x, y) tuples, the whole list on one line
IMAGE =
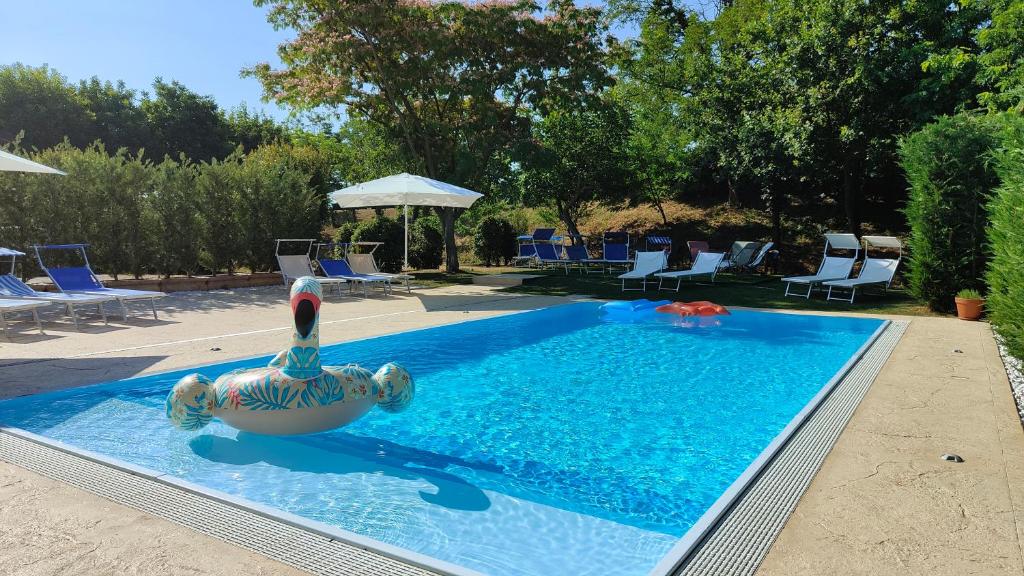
[(578, 255), (365, 264), (528, 245), (759, 259), (340, 269), (647, 264), (615, 250), (295, 266), (551, 255), (706, 264), (11, 287), (742, 252), (831, 268), (8, 306), (82, 280), (874, 271)]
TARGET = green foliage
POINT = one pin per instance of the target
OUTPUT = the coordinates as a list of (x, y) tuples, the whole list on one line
[(1005, 275), (177, 224), (1001, 61), (426, 243), (184, 122), (950, 178), (217, 194), (450, 81), (580, 158), (969, 294), (343, 233), (391, 233), (495, 241), (41, 103)]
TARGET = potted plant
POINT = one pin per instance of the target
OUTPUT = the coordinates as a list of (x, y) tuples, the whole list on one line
[(968, 304)]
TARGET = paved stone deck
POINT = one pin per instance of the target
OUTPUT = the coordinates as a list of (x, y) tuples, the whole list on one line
[(883, 503)]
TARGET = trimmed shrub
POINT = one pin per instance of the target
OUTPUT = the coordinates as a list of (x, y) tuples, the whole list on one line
[(495, 241), (176, 221), (1005, 274), (220, 233), (950, 178), (426, 243), (388, 231)]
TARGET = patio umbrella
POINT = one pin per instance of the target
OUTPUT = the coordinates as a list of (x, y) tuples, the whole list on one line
[(11, 163), (404, 190)]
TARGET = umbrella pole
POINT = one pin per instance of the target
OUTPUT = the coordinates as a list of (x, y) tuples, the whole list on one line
[(407, 236)]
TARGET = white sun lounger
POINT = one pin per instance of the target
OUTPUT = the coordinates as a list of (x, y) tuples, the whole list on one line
[(295, 266), (11, 287), (644, 266), (7, 306), (875, 271), (831, 268), (706, 264), (365, 264)]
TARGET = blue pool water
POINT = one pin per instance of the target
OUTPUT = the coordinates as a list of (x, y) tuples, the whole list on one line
[(547, 442)]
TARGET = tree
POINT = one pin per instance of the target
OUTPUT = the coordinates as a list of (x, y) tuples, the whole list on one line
[(448, 79), (117, 119), (41, 103), (1001, 61), (183, 122), (250, 130), (580, 158)]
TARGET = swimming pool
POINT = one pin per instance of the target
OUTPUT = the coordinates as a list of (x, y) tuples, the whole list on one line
[(546, 442)]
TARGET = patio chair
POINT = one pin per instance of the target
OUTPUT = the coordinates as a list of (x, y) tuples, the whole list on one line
[(340, 269), (550, 254), (295, 266), (11, 287), (366, 264), (578, 255), (8, 306), (831, 268), (528, 245), (759, 259), (82, 280), (615, 250), (706, 264), (647, 264), (655, 242), (741, 254), (873, 272)]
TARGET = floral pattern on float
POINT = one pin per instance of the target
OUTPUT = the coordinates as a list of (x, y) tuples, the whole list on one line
[(294, 394)]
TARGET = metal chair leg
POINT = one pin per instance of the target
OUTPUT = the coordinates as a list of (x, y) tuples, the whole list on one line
[(3, 322), (152, 303), (74, 316), (35, 314)]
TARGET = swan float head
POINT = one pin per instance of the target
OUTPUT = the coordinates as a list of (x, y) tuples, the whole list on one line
[(294, 393)]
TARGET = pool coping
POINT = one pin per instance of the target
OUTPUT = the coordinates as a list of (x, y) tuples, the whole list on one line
[(691, 542)]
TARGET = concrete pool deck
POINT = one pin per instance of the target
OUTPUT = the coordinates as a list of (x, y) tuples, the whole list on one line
[(882, 503)]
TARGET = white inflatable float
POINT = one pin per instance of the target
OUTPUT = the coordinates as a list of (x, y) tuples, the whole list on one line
[(294, 394)]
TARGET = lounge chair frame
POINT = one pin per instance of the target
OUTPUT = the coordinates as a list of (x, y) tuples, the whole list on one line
[(644, 278), (25, 292), (121, 298), (890, 242), (835, 241), (288, 279), (714, 258), (8, 306)]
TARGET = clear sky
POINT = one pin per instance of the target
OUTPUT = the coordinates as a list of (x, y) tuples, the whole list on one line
[(201, 43)]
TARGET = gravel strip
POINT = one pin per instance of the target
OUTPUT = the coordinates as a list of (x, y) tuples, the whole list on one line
[(1015, 371)]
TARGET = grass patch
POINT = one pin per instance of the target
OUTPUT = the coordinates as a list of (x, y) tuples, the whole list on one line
[(751, 291)]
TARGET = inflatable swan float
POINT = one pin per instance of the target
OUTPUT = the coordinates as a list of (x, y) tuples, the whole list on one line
[(294, 394)]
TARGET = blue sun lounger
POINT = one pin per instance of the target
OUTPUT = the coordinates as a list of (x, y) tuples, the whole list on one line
[(577, 255), (82, 280), (340, 269), (12, 287), (615, 250)]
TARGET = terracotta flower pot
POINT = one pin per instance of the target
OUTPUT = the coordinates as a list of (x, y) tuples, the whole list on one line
[(969, 308)]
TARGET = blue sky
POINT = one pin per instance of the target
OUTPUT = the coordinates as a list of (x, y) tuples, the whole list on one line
[(201, 43)]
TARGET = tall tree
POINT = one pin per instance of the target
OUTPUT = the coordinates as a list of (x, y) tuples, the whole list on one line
[(184, 122), (252, 129), (580, 158), (41, 103), (118, 121), (449, 80)]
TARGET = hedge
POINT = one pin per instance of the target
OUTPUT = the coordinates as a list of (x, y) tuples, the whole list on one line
[(173, 217), (1005, 274), (389, 257), (494, 241), (947, 165)]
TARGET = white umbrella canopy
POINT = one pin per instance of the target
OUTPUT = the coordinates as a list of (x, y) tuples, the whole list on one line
[(404, 190), (11, 163)]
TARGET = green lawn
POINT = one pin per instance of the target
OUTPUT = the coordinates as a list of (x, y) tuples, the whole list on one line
[(753, 291)]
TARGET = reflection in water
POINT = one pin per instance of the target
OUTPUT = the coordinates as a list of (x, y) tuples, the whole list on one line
[(351, 455)]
